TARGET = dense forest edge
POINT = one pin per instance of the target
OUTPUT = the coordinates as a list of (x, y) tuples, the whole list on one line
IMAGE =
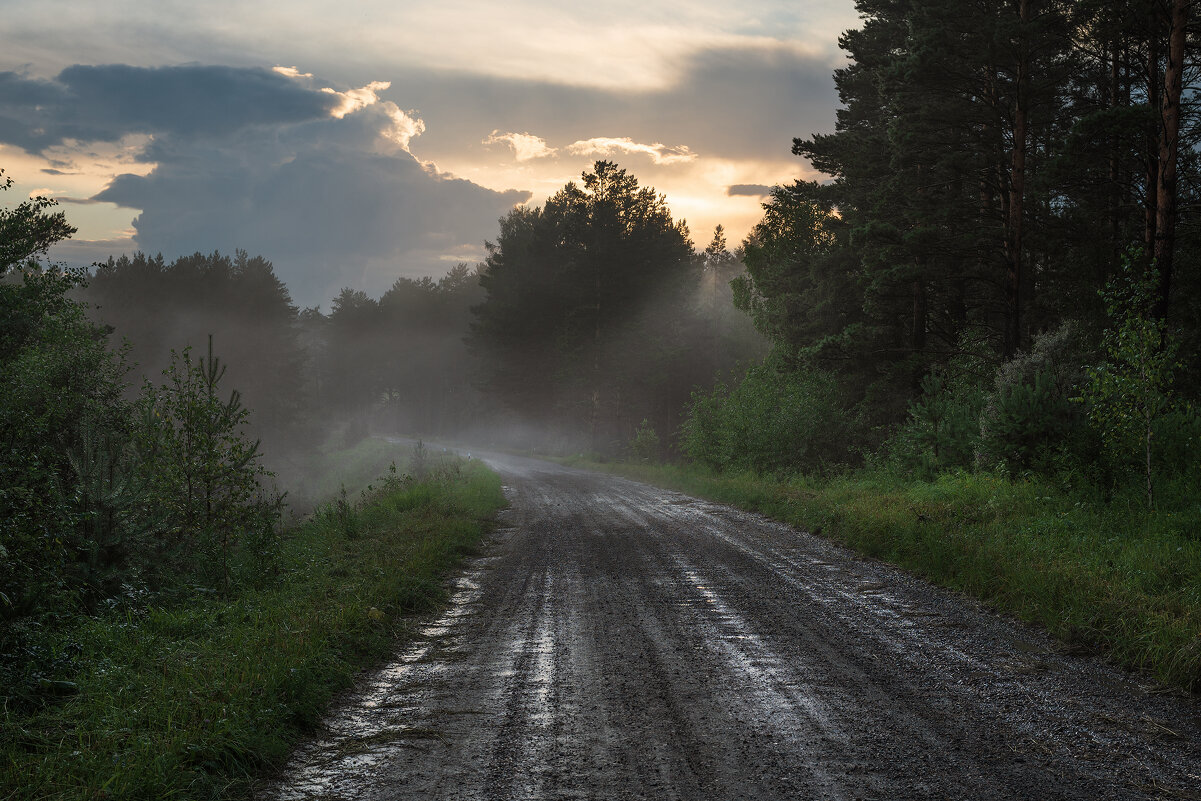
[(973, 348)]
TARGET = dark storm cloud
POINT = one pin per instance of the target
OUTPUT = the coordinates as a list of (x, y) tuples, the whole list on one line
[(252, 159), (725, 103), (105, 103), (316, 199)]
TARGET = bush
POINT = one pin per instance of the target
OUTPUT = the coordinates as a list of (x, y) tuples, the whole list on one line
[(943, 429), (1029, 419), (774, 420), (62, 395), (645, 446), (1131, 391)]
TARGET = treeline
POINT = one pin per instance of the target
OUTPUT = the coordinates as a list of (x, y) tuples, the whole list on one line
[(395, 363), (1003, 271)]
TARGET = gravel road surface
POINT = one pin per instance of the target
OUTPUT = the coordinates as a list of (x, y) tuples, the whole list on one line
[(619, 641)]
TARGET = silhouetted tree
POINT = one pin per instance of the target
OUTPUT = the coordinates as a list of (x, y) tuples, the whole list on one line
[(573, 328)]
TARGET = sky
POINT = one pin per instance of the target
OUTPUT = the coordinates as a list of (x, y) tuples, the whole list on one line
[(351, 143)]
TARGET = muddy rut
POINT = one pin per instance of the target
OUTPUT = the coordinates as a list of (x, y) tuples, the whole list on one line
[(619, 641)]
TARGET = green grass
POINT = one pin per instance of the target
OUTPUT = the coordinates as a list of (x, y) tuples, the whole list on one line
[(192, 702), (1099, 574)]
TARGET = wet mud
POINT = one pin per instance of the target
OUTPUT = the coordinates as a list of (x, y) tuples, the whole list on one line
[(620, 641)]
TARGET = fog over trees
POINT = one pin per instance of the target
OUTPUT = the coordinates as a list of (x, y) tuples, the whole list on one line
[(591, 314)]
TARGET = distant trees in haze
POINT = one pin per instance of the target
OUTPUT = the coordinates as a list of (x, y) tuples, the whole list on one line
[(160, 306), (395, 362), (399, 363)]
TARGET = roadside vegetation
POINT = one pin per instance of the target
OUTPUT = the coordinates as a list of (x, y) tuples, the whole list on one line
[(163, 632), (1060, 485), (984, 322), (194, 697)]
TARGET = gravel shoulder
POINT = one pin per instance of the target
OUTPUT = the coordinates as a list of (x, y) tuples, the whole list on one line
[(621, 641)]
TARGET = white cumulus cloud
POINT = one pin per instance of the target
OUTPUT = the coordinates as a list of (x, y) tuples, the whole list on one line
[(525, 146), (352, 100), (405, 126), (606, 146), (291, 72)]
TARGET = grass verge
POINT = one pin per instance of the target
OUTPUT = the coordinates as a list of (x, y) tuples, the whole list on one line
[(194, 701), (1105, 576)]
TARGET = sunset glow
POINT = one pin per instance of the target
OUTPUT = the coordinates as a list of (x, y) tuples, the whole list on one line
[(504, 105)]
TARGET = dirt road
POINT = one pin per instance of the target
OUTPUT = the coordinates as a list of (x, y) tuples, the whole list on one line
[(619, 641)]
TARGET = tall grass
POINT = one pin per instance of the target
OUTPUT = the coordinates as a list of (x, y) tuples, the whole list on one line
[(192, 701)]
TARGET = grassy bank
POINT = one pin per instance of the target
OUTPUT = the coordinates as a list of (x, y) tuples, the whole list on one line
[(192, 701), (1100, 574)]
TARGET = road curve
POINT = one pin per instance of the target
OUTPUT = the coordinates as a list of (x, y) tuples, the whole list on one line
[(619, 641)]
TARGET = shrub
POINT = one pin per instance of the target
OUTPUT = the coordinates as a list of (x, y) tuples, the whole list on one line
[(62, 393), (1130, 392), (1029, 418), (645, 446), (775, 419), (943, 428)]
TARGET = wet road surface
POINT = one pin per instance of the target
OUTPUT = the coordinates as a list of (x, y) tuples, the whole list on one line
[(619, 641)]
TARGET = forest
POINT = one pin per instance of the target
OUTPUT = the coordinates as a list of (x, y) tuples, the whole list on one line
[(998, 275)]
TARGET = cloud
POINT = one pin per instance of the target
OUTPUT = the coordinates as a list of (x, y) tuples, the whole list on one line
[(327, 216), (616, 44), (107, 103), (525, 146), (291, 72), (404, 126), (354, 99), (317, 179), (748, 190), (607, 146), (728, 103), (77, 201)]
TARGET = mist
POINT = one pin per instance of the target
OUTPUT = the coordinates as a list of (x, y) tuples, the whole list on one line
[(417, 360)]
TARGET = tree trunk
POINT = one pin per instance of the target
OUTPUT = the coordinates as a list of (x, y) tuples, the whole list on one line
[(1147, 464), (917, 337), (1169, 139), (1115, 158), (1150, 201), (1016, 277)]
